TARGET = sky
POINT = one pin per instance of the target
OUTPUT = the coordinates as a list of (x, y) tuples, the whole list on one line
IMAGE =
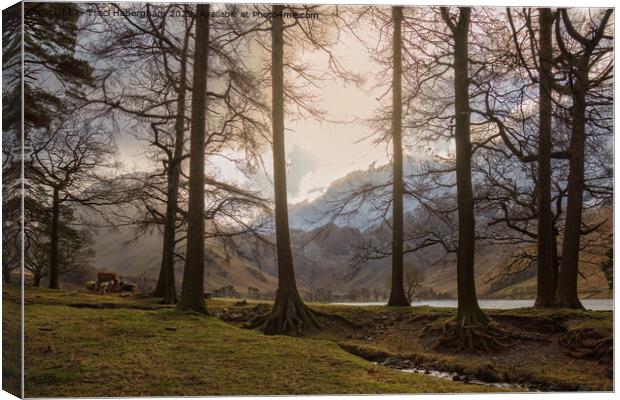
[(318, 152)]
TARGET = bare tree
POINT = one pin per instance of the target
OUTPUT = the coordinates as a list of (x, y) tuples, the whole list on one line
[(389, 128), (547, 275), (468, 312), (50, 85), (521, 162), (397, 294), (192, 293), (413, 280), (292, 96), (289, 313), (588, 64), (73, 160), (164, 47), (74, 244)]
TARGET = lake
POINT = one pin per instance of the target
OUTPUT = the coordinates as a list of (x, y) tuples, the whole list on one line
[(590, 304)]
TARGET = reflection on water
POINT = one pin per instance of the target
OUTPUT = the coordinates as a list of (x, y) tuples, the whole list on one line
[(453, 376), (590, 304), (450, 376)]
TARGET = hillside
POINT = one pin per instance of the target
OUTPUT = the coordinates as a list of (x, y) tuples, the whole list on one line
[(323, 257), (119, 250), (324, 264)]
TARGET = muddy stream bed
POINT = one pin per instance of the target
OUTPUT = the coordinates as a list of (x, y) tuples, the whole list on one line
[(408, 367)]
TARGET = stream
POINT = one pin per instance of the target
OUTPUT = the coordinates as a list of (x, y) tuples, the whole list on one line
[(454, 376)]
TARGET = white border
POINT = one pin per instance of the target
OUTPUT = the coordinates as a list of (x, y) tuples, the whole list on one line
[(488, 3)]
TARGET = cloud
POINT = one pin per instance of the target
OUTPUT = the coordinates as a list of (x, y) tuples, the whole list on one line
[(319, 189), (301, 163)]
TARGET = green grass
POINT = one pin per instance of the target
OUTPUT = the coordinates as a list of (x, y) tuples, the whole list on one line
[(11, 340), (543, 363), (398, 336), (82, 344), (134, 347)]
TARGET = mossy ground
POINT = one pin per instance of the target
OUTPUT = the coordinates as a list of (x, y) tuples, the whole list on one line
[(11, 341), (80, 344), (535, 356)]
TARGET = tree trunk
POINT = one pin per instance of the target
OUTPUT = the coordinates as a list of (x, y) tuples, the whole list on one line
[(192, 291), (556, 261), (166, 284), (468, 312), (6, 275), (54, 241), (289, 314), (569, 264), (545, 296), (36, 280), (397, 293)]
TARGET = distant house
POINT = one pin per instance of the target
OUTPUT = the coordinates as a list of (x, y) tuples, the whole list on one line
[(253, 292), (225, 291)]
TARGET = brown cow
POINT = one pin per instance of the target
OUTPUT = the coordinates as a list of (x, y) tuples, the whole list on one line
[(107, 276), (112, 281)]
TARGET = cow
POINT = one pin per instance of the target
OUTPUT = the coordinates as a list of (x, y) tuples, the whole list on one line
[(103, 287), (111, 279), (91, 285)]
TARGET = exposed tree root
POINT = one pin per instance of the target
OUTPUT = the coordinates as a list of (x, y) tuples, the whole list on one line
[(337, 317), (289, 316), (398, 299), (471, 331), (474, 338), (586, 343), (530, 337), (541, 325)]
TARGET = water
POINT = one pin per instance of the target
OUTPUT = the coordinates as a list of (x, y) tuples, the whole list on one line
[(590, 304), (451, 377)]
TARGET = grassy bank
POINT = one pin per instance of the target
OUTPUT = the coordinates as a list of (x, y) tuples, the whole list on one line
[(535, 355), (88, 345)]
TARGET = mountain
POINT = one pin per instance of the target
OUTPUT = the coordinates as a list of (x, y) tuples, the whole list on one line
[(311, 214), (323, 250), (140, 257)]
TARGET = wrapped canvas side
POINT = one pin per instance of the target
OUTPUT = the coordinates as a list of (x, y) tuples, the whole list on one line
[(12, 201)]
